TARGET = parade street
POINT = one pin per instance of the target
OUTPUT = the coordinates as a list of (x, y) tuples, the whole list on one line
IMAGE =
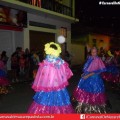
[(20, 97)]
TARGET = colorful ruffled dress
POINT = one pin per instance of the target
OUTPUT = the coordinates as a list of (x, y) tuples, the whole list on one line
[(112, 73), (90, 92), (50, 86), (3, 79)]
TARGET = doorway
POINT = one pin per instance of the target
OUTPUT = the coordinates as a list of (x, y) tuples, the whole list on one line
[(38, 40)]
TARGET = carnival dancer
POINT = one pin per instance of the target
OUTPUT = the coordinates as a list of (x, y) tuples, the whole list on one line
[(4, 83), (50, 84), (112, 73), (90, 92)]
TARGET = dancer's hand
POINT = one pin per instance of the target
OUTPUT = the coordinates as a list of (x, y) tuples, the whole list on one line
[(87, 76)]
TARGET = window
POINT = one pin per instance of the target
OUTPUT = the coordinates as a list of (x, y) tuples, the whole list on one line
[(63, 31)]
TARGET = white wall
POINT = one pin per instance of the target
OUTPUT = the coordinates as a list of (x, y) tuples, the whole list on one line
[(7, 43), (9, 40), (78, 52), (51, 21), (47, 19), (19, 37), (98, 37)]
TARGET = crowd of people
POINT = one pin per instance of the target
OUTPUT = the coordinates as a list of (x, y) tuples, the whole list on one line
[(111, 59), (22, 65)]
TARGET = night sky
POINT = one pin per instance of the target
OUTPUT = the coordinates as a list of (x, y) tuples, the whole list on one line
[(101, 18)]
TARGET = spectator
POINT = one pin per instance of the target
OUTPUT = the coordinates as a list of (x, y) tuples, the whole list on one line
[(68, 57), (27, 63), (4, 58), (14, 67), (22, 64)]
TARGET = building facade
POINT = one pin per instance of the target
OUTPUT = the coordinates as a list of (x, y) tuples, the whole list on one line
[(46, 20), (80, 43)]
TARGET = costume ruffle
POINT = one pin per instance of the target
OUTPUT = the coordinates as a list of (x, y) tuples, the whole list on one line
[(50, 77), (93, 84), (111, 77), (51, 102), (89, 98), (53, 98), (2, 66), (2, 73), (112, 74), (50, 88), (36, 108), (94, 64), (112, 69), (4, 81), (91, 90), (88, 108)]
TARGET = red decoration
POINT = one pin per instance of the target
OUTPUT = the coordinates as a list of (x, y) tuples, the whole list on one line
[(11, 28)]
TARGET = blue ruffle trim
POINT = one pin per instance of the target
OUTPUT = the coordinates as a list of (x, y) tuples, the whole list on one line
[(2, 73), (93, 84), (53, 98), (113, 69)]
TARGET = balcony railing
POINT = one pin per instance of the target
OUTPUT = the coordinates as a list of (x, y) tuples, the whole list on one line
[(52, 5)]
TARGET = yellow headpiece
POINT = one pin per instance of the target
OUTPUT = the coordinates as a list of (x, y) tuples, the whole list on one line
[(110, 54), (49, 50)]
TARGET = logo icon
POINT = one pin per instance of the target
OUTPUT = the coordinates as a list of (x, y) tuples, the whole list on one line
[(82, 116)]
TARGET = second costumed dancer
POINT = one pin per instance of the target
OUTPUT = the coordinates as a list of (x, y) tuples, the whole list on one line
[(50, 84), (90, 90), (112, 73)]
